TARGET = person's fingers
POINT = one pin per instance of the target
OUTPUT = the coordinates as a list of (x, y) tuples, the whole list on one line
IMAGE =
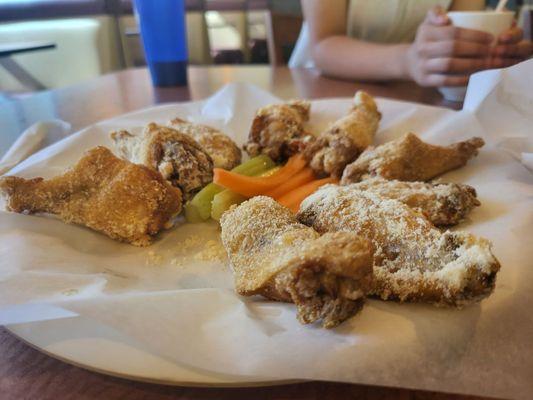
[(471, 35), (503, 62), (521, 50), (437, 16), (454, 33), (445, 80), (511, 35), (456, 48), (455, 65)]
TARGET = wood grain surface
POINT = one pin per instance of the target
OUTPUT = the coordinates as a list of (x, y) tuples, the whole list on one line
[(25, 373), (129, 90)]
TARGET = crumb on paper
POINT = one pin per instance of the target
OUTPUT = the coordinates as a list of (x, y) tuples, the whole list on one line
[(192, 248), (212, 251), (191, 241), (177, 262), (180, 256), (153, 258)]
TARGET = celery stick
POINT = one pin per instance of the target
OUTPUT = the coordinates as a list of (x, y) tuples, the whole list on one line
[(192, 213), (199, 208), (201, 203), (262, 161), (225, 199)]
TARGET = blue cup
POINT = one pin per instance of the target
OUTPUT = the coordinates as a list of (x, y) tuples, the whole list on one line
[(164, 39)]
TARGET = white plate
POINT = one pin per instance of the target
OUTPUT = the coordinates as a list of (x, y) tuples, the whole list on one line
[(410, 346), (88, 344)]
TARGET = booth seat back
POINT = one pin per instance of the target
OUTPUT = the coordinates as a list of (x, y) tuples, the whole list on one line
[(85, 48)]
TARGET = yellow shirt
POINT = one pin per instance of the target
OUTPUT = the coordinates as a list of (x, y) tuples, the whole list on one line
[(381, 21), (388, 21)]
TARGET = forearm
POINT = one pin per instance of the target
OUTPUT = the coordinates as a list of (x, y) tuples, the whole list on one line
[(344, 57), (467, 5)]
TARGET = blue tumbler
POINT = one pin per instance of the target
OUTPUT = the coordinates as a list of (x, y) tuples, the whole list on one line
[(164, 38)]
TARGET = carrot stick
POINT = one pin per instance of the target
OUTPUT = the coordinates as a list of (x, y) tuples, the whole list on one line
[(252, 186), (301, 178), (293, 199)]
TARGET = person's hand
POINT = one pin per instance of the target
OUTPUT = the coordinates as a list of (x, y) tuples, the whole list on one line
[(444, 55), (510, 49)]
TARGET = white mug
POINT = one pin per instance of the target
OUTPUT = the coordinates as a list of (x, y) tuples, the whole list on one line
[(492, 22)]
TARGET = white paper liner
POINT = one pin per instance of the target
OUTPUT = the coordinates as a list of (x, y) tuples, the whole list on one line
[(181, 305)]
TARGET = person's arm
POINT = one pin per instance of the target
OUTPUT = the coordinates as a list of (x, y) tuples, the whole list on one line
[(438, 51), (467, 5), (510, 49), (338, 55)]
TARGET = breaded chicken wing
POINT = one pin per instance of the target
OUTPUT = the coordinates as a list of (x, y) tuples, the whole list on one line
[(441, 203), (222, 150), (178, 157), (410, 159), (413, 260), (275, 256), (346, 138), (278, 130), (125, 201)]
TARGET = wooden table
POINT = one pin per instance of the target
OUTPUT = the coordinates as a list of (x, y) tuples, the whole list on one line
[(129, 90), (27, 374)]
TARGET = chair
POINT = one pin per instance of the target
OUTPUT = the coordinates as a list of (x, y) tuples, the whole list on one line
[(228, 30), (199, 48), (282, 33)]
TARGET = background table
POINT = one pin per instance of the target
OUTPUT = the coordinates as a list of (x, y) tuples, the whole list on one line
[(26, 373), (14, 68)]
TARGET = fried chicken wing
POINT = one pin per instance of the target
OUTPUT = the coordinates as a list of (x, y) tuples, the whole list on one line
[(441, 203), (413, 260), (127, 202), (278, 130), (178, 157), (222, 150), (275, 256), (410, 159), (346, 138)]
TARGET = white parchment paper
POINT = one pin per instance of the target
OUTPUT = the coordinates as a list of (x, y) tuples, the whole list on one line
[(181, 305)]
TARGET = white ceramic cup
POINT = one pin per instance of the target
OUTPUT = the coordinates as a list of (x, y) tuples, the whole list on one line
[(492, 22)]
